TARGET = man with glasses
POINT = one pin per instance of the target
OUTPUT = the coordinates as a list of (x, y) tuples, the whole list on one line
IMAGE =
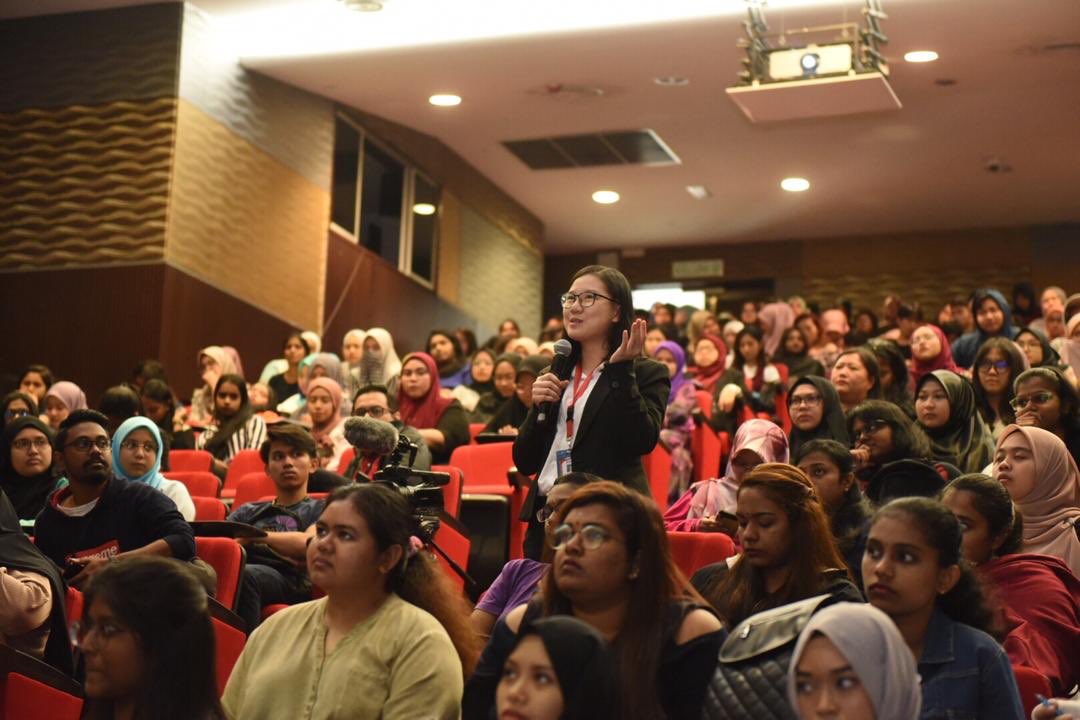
[(98, 516), (374, 401)]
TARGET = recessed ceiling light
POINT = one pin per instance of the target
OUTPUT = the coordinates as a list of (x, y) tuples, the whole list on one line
[(364, 5), (921, 56), (795, 184), (445, 100), (423, 209), (698, 192), (605, 197), (671, 81)]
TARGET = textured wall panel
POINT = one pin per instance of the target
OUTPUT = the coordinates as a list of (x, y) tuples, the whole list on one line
[(500, 277), (293, 126), (245, 223), (85, 185), (90, 58)]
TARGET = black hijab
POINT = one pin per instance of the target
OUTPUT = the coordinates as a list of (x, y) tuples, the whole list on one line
[(583, 663), (904, 478), (18, 553), (489, 385), (964, 440), (513, 412), (1050, 357), (26, 494), (798, 364), (833, 426)]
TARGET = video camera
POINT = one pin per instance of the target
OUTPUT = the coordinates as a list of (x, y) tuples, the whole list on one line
[(422, 488)]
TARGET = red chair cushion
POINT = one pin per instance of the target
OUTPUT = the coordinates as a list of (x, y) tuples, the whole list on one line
[(29, 699), (199, 483), (228, 644), (208, 508), (227, 558), (189, 460), (694, 550), (252, 487), (244, 463)]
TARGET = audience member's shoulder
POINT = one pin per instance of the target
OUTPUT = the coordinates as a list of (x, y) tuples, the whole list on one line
[(514, 618), (697, 622), (298, 616)]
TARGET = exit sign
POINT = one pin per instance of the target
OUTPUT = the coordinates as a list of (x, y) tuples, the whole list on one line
[(687, 269)]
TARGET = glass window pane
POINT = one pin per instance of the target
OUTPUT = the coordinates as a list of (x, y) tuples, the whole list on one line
[(380, 205), (425, 208), (343, 192)]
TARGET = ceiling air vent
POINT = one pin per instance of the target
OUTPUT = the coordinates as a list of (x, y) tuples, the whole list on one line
[(621, 147)]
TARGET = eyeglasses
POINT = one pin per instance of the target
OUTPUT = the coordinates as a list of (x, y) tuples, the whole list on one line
[(869, 429), (587, 299), (39, 443), (133, 445), (1039, 398), (592, 536), (16, 413), (79, 632), (545, 513), (375, 412), (807, 400), (996, 365), (84, 444)]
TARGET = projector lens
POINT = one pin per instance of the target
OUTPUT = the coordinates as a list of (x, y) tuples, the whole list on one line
[(809, 62)]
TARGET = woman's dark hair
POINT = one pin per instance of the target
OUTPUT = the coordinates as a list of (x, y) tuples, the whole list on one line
[(470, 340), (119, 402), (11, 397), (966, 603), (618, 288), (812, 318), (513, 322), (660, 582), (741, 592), (992, 501), (294, 435), (577, 479), (44, 372), (416, 579), (458, 356), (159, 391), (295, 335), (1067, 395), (793, 330), (1015, 358), (163, 604), (218, 445), (889, 351), (755, 332), (846, 521), (869, 361), (864, 311), (909, 440), (149, 369)]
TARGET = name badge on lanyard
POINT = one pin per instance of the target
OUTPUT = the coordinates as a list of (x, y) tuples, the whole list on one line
[(563, 464)]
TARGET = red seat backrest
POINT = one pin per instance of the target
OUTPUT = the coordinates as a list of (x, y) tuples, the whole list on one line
[(252, 487), (29, 699), (474, 430), (456, 546), (346, 460), (658, 471), (452, 490), (245, 462), (199, 483), (227, 558), (228, 644), (73, 605), (484, 465), (692, 551), (1031, 683), (189, 460), (209, 508)]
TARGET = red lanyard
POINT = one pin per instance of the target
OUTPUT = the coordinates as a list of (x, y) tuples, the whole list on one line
[(575, 396)]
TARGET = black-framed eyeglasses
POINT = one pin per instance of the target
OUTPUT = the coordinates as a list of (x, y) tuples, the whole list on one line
[(133, 445), (84, 444), (592, 536), (588, 299), (807, 400), (998, 365), (870, 428), (547, 512), (1039, 398), (39, 443), (375, 412), (11, 414)]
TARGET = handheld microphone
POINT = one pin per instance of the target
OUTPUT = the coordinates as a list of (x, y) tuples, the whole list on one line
[(562, 367), (370, 436)]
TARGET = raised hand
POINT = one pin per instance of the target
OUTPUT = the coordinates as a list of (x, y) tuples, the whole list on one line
[(632, 345)]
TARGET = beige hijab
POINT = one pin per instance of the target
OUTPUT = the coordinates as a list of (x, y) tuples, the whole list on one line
[(1052, 508)]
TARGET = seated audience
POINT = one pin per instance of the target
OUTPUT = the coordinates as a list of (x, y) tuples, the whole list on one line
[(324, 401), (815, 412), (504, 382), (945, 408), (883, 434), (136, 457), (213, 362), (286, 383), (834, 330), (389, 640), (930, 351), (709, 506), (864, 327), (99, 517), (1040, 596), (997, 364), (147, 643), (1044, 398), (467, 340), (788, 552), (1042, 479), (274, 572), (560, 669), (61, 400), (993, 319), (16, 404), (158, 403), (774, 319), (444, 348), (440, 420), (32, 617), (119, 403), (710, 353), (851, 662), (731, 330), (914, 573), (145, 371), (352, 351), (676, 435), (829, 466), (26, 467), (748, 387), (512, 413), (654, 335), (380, 364), (1070, 344), (1052, 299), (794, 354), (893, 374), (482, 371), (376, 402), (856, 375), (1037, 349), (234, 426), (35, 381)]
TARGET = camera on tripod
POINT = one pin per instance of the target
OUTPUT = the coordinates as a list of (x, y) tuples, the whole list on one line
[(422, 488)]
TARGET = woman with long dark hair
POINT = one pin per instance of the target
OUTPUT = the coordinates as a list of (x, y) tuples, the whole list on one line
[(390, 638), (997, 364), (147, 641), (914, 573), (882, 435), (35, 381), (749, 386), (287, 383), (794, 354), (234, 426), (893, 374), (453, 364), (608, 414)]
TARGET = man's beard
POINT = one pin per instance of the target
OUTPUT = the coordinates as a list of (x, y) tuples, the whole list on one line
[(95, 475)]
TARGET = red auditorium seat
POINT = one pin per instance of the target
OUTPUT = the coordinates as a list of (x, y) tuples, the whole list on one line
[(227, 558), (189, 460), (229, 639), (1031, 683), (452, 490), (708, 448), (245, 462), (73, 605), (485, 471), (694, 550), (658, 471), (209, 508), (474, 430), (252, 487), (199, 483), (346, 460), (455, 544), (33, 690)]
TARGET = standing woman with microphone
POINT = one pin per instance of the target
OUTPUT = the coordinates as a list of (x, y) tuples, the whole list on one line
[(599, 409)]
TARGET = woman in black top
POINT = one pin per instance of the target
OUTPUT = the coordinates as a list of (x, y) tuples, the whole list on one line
[(287, 384)]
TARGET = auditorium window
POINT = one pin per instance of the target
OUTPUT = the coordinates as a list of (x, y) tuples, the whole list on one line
[(382, 194), (425, 214), (346, 171)]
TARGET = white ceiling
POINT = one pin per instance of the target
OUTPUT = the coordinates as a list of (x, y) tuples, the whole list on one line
[(918, 168)]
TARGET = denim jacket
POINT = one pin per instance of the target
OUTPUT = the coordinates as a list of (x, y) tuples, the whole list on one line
[(965, 674)]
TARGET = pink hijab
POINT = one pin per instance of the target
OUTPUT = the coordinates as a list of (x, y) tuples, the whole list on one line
[(775, 318), (943, 360), (1052, 508), (68, 393), (763, 438)]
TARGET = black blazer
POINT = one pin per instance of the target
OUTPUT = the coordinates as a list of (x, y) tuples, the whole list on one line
[(620, 422)]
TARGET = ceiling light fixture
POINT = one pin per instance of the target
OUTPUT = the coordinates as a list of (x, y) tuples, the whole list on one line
[(921, 56), (445, 100), (605, 197), (795, 184), (698, 192), (671, 81), (363, 5), (423, 209)]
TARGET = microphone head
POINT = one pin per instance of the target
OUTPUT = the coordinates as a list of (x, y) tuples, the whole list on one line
[(371, 436), (564, 348)]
